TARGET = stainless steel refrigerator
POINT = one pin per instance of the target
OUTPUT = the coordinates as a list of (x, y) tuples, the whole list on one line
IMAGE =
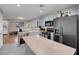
[(67, 29)]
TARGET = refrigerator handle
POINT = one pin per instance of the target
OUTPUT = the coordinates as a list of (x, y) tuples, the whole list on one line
[(61, 31), (61, 35)]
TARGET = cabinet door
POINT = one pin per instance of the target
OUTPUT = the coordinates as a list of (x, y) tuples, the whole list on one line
[(70, 31)]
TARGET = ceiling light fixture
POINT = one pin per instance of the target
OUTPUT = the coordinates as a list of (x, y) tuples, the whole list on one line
[(18, 5), (21, 18), (41, 11), (41, 7)]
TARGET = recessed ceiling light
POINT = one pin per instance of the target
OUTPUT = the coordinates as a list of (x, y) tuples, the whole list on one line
[(18, 5), (41, 11), (21, 18)]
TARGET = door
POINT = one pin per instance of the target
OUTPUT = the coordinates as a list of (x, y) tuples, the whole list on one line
[(58, 24), (78, 37), (70, 31)]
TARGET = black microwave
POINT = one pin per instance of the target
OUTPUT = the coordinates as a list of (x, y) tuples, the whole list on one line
[(49, 23)]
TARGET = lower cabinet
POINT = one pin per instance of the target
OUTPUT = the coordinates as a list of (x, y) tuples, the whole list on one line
[(56, 38), (29, 51), (47, 35)]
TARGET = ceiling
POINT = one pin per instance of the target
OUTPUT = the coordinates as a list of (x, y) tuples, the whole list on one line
[(30, 11)]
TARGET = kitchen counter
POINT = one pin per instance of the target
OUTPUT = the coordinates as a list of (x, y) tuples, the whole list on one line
[(42, 46)]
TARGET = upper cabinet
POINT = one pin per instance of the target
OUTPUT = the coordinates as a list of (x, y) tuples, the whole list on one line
[(46, 21), (31, 24), (41, 23)]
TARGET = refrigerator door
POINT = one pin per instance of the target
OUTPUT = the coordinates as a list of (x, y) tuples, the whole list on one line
[(58, 26), (78, 36), (70, 31)]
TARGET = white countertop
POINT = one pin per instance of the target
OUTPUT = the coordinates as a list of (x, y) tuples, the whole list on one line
[(44, 46)]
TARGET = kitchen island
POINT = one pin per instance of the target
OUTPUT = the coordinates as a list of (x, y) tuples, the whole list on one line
[(42, 46)]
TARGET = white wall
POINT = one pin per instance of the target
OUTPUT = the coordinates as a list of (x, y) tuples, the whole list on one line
[(27, 24), (5, 27), (32, 23), (11, 25), (1, 29)]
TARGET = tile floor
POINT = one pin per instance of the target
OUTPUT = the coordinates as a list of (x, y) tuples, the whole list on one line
[(11, 48)]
